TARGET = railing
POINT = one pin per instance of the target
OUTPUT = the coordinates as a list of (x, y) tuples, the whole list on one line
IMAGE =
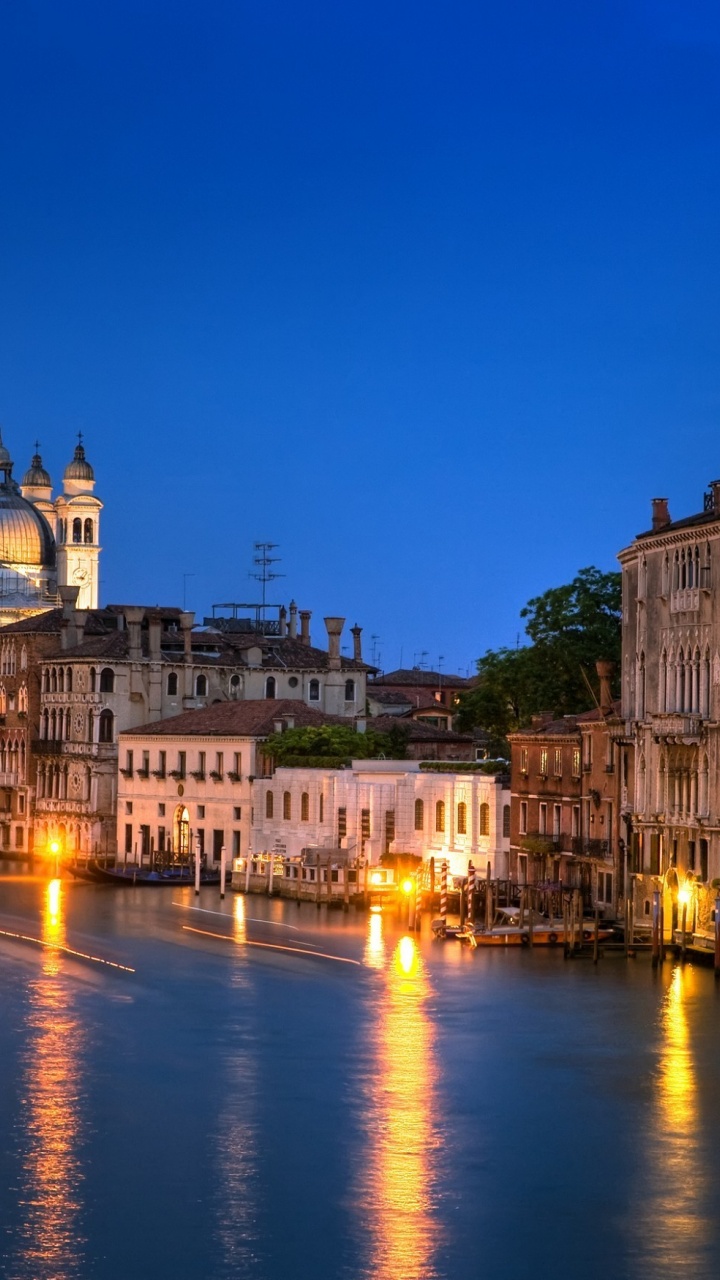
[(582, 846), (541, 842), (677, 725), (47, 746), (685, 601)]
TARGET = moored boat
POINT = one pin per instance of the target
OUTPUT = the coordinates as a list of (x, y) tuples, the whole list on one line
[(507, 931), (176, 874)]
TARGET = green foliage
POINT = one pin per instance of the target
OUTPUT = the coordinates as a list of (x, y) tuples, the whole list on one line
[(334, 744), (464, 766), (570, 627)]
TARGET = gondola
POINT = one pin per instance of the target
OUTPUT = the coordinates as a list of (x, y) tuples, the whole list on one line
[(179, 874)]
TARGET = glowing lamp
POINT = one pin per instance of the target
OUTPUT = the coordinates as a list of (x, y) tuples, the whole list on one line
[(684, 897), (54, 848), (376, 877), (407, 886)]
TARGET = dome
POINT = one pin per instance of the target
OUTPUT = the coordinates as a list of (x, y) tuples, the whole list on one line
[(79, 468), (5, 459), (25, 535), (36, 476)]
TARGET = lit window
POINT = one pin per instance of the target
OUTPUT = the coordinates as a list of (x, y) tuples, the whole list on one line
[(419, 815), (462, 818), (484, 819), (440, 815)]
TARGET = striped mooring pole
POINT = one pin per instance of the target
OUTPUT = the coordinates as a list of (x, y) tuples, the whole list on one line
[(418, 896), (443, 895), (471, 894)]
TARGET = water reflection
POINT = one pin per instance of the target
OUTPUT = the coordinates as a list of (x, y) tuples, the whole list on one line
[(677, 1227), (398, 1182), (50, 1245), (236, 1142)]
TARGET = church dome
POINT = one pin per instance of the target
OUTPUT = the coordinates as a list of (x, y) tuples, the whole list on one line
[(25, 535), (79, 468), (36, 476)]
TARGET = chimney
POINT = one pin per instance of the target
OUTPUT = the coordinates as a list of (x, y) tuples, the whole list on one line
[(155, 634), (360, 724), (334, 629), (283, 620), (80, 622), (305, 616), (715, 496), (186, 622), (660, 513), (133, 622), (278, 726), (289, 722), (68, 622), (356, 632), (605, 674), (292, 631)]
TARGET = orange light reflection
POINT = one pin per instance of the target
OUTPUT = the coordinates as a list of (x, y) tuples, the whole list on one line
[(50, 1245), (400, 1173)]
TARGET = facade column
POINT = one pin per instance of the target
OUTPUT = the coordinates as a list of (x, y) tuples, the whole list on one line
[(695, 703), (694, 793)]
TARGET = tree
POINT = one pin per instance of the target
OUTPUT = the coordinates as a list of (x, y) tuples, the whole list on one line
[(334, 743), (570, 627)]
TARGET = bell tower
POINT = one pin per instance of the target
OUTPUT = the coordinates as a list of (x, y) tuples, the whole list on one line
[(77, 535)]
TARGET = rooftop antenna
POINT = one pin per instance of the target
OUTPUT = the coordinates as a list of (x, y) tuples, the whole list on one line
[(264, 573), (441, 659), (420, 659), (375, 653)]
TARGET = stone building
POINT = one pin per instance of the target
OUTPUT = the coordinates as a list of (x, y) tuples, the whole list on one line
[(386, 806), (569, 781), (671, 706), (194, 775), (117, 668), (47, 543)]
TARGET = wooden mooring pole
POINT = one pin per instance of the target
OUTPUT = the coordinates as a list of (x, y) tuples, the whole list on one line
[(596, 936), (418, 898), (471, 894), (656, 928), (443, 896), (717, 937)]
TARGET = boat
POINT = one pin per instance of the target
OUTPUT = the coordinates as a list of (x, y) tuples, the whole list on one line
[(175, 874), (506, 931)]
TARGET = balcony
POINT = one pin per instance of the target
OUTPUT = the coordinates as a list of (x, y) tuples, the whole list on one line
[(540, 842), (47, 746), (674, 727), (9, 779), (685, 601), (583, 847)]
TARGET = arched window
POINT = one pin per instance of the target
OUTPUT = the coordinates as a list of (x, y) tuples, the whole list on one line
[(23, 659), (107, 680), (23, 698), (106, 726), (349, 690), (269, 804), (201, 687), (506, 821), (234, 686), (3, 700), (419, 815), (484, 819), (45, 729), (88, 531), (181, 832), (287, 806), (68, 680), (61, 680), (462, 818), (53, 680), (440, 815), (93, 679), (77, 529), (305, 807), (270, 687), (172, 684), (314, 691), (91, 726), (45, 680)]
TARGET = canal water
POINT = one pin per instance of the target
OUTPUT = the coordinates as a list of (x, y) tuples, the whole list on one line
[(267, 1091)]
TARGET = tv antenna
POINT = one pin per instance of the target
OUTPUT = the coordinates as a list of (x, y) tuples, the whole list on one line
[(375, 652), (264, 572), (420, 659)]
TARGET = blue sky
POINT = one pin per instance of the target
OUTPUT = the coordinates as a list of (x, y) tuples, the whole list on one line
[(426, 294)]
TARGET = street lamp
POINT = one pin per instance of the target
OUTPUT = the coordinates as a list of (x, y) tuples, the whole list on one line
[(55, 851)]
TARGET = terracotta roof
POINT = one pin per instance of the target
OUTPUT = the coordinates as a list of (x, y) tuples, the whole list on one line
[(417, 730), (253, 718), (418, 677), (389, 697)]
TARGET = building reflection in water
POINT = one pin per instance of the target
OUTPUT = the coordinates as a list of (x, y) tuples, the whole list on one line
[(677, 1226), (401, 1108), (235, 1142), (50, 1245)]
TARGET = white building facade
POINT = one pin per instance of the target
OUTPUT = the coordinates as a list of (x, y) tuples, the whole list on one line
[(379, 807)]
